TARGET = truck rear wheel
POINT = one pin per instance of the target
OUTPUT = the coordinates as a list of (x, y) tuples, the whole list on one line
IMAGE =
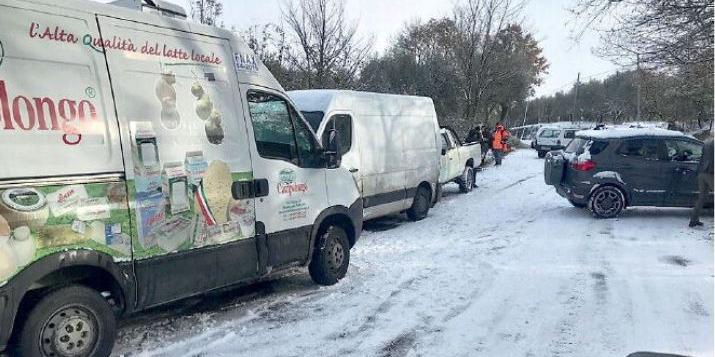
[(331, 257), (420, 205), (74, 321), (466, 181)]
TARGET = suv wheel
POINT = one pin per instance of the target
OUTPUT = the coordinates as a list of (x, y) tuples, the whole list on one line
[(420, 205), (331, 257), (607, 202), (74, 321), (466, 182)]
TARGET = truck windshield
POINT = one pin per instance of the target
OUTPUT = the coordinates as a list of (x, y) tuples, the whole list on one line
[(314, 119)]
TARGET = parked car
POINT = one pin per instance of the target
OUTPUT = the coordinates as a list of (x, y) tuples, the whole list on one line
[(609, 170), (389, 142), (552, 138), (147, 159), (459, 162)]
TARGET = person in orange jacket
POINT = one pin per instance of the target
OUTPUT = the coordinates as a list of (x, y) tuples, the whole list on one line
[(500, 144)]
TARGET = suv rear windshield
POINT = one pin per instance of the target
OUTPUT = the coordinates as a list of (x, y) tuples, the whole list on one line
[(578, 145)]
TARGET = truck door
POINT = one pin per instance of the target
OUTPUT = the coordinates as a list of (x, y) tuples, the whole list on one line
[(185, 151), (290, 171)]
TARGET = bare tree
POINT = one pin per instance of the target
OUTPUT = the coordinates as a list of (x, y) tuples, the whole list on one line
[(478, 23), (206, 12), (327, 51)]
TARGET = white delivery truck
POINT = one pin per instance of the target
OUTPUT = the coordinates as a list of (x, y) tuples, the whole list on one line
[(389, 142), (459, 161), (146, 159)]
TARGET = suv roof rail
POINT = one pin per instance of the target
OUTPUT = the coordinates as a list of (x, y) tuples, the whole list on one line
[(157, 6)]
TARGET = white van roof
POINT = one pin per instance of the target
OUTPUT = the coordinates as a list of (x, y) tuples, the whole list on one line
[(362, 103)]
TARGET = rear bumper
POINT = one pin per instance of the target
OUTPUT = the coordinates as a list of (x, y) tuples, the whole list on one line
[(574, 194)]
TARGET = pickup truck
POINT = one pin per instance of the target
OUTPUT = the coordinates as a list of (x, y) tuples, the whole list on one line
[(459, 161)]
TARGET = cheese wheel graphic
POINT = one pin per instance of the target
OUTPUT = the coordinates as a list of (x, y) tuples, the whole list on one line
[(24, 207)]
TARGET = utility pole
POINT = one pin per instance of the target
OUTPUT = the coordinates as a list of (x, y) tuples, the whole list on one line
[(575, 97), (526, 111), (638, 87)]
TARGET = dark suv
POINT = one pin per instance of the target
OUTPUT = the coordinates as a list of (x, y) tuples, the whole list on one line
[(609, 170)]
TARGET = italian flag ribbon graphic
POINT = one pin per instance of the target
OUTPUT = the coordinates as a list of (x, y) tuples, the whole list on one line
[(206, 213)]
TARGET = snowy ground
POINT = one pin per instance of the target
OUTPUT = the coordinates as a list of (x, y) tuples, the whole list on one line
[(510, 269)]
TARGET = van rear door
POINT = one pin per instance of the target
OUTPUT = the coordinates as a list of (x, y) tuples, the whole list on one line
[(185, 149)]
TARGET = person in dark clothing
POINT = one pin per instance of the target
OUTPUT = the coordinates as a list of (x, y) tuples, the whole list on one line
[(705, 181)]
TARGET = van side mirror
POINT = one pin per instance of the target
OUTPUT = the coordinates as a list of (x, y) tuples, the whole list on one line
[(332, 150), (444, 151)]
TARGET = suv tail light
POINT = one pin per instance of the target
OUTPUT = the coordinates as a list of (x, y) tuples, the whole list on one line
[(586, 165)]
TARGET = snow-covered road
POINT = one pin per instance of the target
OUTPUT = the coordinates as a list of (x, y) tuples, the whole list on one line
[(511, 269)]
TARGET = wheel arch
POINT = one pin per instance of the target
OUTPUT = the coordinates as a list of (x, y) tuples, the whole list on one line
[(615, 184), (90, 268)]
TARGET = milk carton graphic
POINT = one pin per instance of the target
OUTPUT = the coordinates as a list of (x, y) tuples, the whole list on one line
[(196, 166), (175, 187), (147, 165)]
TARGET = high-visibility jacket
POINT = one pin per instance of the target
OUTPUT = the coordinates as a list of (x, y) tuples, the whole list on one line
[(499, 139)]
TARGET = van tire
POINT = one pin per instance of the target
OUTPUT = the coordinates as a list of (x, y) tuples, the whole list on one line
[(72, 308), (420, 205), (542, 154), (607, 202), (466, 181), (331, 257)]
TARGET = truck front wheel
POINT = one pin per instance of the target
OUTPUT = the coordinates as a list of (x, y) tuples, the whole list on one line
[(72, 321), (466, 181), (331, 257)]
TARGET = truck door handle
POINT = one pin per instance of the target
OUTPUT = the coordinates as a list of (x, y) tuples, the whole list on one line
[(353, 170), (242, 190)]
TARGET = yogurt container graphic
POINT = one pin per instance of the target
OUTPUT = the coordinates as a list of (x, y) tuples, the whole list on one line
[(24, 207), (23, 245)]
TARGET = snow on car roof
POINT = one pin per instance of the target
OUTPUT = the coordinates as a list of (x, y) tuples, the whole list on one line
[(617, 133)]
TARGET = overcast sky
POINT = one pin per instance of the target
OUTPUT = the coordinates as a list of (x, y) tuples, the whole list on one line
[(383, 19)]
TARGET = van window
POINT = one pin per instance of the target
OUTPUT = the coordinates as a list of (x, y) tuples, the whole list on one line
[(550, 133), (647, 149), (272, 127), (308, 149), (445, 142), (314, 119), (570, 134), (343, 125)]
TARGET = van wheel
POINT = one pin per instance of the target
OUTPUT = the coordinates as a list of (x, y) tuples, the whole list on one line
[(420, 205), (72, 321), (331, 257), (466, 182), (607, 202), (542, 154)]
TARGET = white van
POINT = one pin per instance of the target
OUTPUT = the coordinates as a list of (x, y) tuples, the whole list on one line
[(391, 144), (147, 159), (553, 138)]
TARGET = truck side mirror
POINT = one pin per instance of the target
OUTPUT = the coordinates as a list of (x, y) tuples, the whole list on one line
[(332, 150)]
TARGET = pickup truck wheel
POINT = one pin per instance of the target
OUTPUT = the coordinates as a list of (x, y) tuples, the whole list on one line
[(607, 202), (420, 205), (331, 257), (75, 321), (466, 181)]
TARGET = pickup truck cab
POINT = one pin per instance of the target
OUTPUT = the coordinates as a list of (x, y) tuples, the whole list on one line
[(147, 159), (458, 162)]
